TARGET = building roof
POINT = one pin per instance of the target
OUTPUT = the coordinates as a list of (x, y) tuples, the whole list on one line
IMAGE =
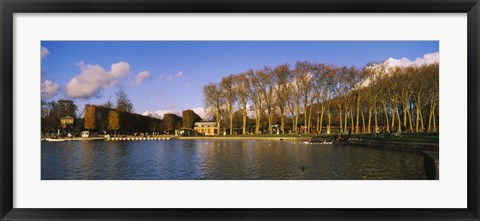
[(205, 123)]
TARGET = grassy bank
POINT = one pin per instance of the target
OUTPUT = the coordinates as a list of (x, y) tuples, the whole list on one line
[(404, 138)]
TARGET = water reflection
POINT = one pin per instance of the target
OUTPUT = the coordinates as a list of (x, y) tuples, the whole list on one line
[(224, 160)]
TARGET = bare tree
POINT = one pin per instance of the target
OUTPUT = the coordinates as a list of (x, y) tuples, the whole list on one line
[(213, 101), (321, 88), (265, 86), (227, 89), (123, 102), (242, 90), (304, 82), (293, 101), (282, 77), (257, 98)]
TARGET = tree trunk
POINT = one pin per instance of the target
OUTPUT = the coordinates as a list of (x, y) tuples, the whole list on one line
[(363, 123), (293, 123), (270, 119), (296, 120), (310, 118), (393, 118), (282, 124), (258, 115), (351, 114), (244, 123), (218, 122), (231, 119), (346, 119), (417, 119), (369, 128), (399, 127), (340, 111), (410, 120), (321, 121), (357, 128), (430, 120), (257, 125), (386, 118), (421, 122), (432, 111), (305, 119), (329, 122)]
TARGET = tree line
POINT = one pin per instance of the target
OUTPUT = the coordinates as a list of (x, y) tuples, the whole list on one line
[(112, 118), (315, 97)]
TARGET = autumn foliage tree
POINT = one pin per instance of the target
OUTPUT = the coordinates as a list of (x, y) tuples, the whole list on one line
[(89, 117), (113, 120)]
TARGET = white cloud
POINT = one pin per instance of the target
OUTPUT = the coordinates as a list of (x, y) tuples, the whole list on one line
[(49, 89), (200, 111), (179, 74), (159, 113), (44, 52), (93, 78), (141, 77), (427, 59), (387, 65), (169, 78)]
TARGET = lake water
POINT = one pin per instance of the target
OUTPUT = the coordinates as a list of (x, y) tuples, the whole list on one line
[(224, 160)]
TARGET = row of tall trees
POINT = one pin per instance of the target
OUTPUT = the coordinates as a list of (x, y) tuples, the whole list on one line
[(369, 99), (112, 117), (104, 119), (53, 111)]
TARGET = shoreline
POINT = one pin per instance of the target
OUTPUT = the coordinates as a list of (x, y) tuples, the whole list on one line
[(396, 145), (237, 138)]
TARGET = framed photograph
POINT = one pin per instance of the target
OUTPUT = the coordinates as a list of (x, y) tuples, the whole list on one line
[(239, 110)]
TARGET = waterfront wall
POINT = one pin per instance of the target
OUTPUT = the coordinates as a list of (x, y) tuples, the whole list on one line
[(396, 145)]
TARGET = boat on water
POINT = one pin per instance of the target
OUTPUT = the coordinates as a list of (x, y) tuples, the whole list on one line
[(54, 139)]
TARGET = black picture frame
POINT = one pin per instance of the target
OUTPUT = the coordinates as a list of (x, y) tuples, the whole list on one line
[(9, 7)]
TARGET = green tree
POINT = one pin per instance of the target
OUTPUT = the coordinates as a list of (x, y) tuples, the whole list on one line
[(172, 122), (189, 117), (67, 108)]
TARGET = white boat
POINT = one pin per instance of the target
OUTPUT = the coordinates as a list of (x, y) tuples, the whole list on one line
[(54, 139)]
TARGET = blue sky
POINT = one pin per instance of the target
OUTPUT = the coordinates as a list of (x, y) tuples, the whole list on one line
[(168, 76)]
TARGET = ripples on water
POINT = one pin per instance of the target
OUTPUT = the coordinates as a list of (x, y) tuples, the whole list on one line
[(224, 160)]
